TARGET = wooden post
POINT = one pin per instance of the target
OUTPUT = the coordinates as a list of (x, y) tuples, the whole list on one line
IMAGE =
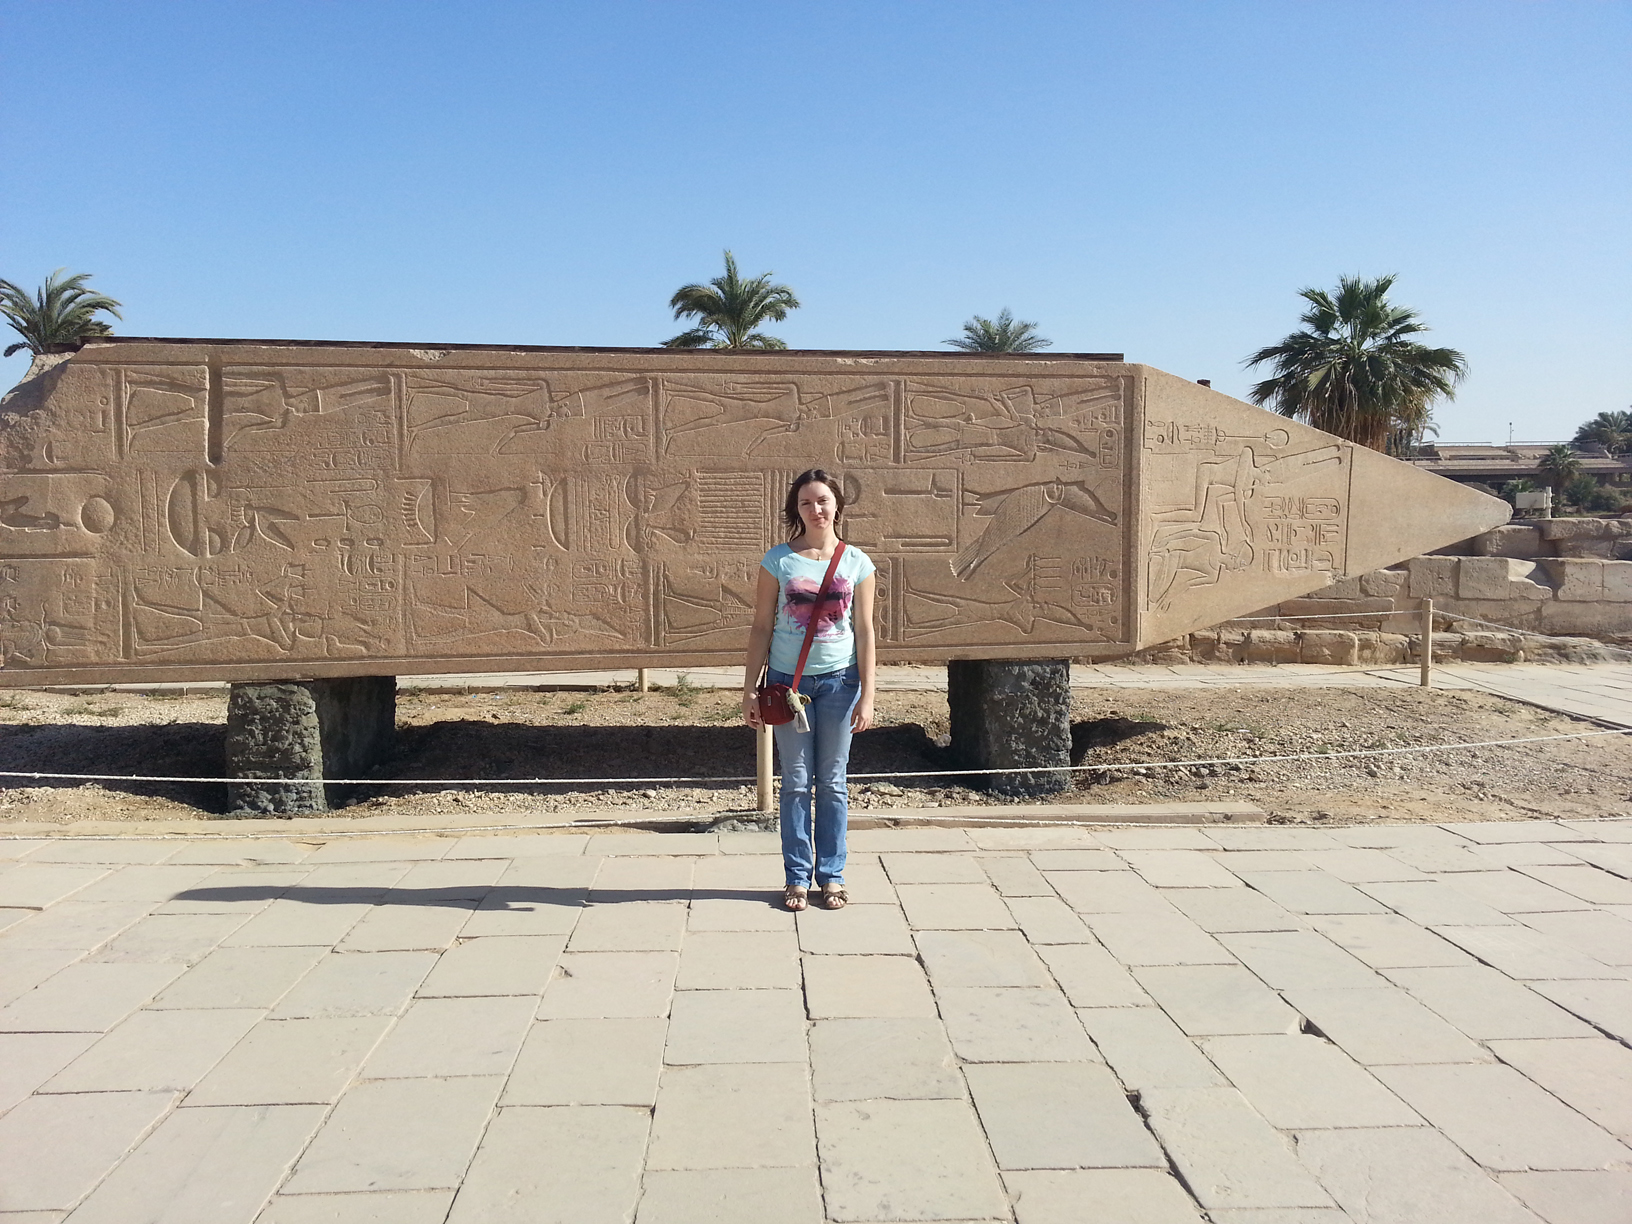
[(762, 755), (643, 680), (1427, 633)]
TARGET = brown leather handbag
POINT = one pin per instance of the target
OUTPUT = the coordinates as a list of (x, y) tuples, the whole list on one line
[(782, 703)]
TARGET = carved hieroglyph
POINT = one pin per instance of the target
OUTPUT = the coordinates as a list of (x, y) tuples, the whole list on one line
[(254, 510)]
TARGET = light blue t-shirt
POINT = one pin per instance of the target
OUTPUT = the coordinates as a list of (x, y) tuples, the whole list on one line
[(800, 580)]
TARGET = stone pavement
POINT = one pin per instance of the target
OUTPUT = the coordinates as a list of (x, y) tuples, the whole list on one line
[(1383, 1025)]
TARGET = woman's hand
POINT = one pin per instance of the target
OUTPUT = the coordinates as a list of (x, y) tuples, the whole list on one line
[(750, 710), (861, 717)]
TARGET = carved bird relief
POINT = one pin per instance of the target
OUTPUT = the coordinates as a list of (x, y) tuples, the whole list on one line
[(1016, 511)]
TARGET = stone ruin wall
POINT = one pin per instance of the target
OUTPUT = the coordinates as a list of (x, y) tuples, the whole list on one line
[(1569, 580)]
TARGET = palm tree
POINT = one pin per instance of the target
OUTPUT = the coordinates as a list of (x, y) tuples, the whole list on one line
[(729, 308), (1354, 371), (999, 335), (1610, 430), (60, 315), (1558, 467)]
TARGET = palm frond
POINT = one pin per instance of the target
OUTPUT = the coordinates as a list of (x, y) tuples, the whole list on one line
[(1003, 334), (729, 308), (61, 313), (1354, 369)]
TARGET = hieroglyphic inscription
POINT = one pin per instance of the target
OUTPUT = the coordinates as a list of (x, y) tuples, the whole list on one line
[(221, 509)]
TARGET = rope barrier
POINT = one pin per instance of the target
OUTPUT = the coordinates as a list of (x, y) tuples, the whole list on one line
[(906, 773)]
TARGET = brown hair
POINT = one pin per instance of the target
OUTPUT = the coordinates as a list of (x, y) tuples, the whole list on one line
[(790, 507)]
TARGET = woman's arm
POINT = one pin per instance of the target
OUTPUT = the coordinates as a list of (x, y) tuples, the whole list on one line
[(759, 644), (866, 653)]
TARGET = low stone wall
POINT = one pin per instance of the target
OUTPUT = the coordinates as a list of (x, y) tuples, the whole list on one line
[(1564, 586)]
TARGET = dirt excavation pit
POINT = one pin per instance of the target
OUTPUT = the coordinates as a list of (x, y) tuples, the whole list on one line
[(697, 733)]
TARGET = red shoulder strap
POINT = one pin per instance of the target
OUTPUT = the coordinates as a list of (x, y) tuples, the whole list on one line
[(816, 614)]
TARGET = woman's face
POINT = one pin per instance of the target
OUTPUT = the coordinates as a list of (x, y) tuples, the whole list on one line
[(817, 509)]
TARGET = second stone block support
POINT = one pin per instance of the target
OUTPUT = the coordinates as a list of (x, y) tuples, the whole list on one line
[(1009, 714), (306, 731)]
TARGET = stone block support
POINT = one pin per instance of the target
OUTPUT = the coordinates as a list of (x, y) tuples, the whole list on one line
[(1009, 714), (307, 730)]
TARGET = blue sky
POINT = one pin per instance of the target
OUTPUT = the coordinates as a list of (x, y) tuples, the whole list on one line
[(1155, 178)]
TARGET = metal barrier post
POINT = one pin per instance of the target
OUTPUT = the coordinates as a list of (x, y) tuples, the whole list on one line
[(762, 757), (1427, 651), (643, 680)]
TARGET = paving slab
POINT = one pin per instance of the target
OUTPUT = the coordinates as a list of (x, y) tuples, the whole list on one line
[(1360, 865), (1127, 1196), (1603, 936), (395, 925), (730, 1196), (1503, 1120), (1014, 875), (1525, 953), (1387, 941), (37, 885), (1605, 1005), (1592, 1075), (1488, 1005), (1513, 892), (1601, 1197), (736, 1026), (562, 1165), (150, 884), (240, 977), (743, 913), (733, 1116), (1091, 976), (153, 1050), (907, 1160), (1233, 909), (212, 1166), (632, 926), (1180, 869), (511, 846), (378, 1207), (1492, 832), (1013, 1025), (451, 1037), (494, 965), (980, 958), (27, 1060), (1290, 960), (589, 1062), (293, 922), (1311, 892), (740, 960), (356, 984), (1407, 1175), (402, 1134), (1524, 855), (55, 1149), (855, 930), (1108, 892), (857, 987), (1048, 920), (1226, 1153), (1055, 838), (902, 1059), (1206, 1000), (81, 925), (1156, 939), (1586, 882), (1383, 1024), (592, 984), (1078, 858), (170, 939), (933, 869), (1060, 1116), (1435, 903), (641, 878), (954, 907), (292, 1062), (1147, 1050), (1300, 1082), (86, 998)]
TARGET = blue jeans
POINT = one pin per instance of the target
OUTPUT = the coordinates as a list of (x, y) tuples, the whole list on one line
[(819, 758)]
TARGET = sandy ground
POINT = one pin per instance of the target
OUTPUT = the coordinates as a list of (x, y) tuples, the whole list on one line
[(696, 733)]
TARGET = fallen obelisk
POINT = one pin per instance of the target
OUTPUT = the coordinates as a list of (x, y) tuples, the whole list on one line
[(304, 519)]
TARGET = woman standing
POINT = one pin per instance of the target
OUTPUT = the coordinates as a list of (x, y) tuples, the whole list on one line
[(837, 679)]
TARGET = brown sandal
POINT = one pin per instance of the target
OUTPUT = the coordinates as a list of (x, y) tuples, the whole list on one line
[(795, 897), (834, 897)]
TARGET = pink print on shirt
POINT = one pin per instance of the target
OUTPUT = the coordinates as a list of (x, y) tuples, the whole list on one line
[(799, 596)]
